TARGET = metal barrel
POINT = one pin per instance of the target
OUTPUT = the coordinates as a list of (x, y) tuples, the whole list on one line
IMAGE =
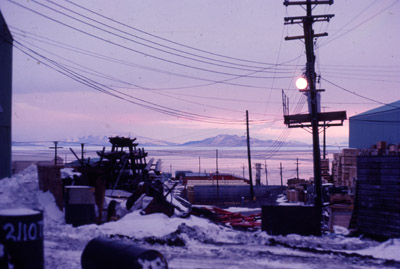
[(79, 205), (21, 234), (105, 253), (3, 257)]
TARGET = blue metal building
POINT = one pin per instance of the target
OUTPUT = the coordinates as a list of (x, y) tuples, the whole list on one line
[(5, 98), (379, 124)]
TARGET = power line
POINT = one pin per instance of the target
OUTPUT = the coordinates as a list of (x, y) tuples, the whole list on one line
[(96, 86), (350, 21), (142, 44), (150, 105), (165, 39), (353, 77), (131, 49), (99, 74), (262, 102), (156, 43), (357, 94), (99, 56), (360, 24)]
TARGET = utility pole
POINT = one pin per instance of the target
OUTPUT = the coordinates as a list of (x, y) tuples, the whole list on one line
[(324, 140), (243, 167), (258, 174), (324, 136), (82, 151), (311, 76), (266, 173), (281, 168), (297, 167), (216, 160), (55, 151), (249, 156), (199, 166)]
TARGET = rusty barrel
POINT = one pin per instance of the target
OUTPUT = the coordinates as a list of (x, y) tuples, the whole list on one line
[(105, 253), (21, 234)]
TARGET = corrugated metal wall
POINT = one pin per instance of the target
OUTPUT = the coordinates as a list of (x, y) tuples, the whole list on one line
[(232, 195), (5, 98), (368, 128)]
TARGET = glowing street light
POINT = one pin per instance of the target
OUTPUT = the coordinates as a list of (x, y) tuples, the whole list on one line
[(301, 83)]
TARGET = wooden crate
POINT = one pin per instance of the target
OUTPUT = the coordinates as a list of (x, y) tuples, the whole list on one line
[(340, 215)]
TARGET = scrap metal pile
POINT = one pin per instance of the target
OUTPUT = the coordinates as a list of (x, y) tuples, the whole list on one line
[(125, 170), (124, 181)]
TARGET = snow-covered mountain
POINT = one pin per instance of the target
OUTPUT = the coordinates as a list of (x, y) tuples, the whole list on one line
[(222, 140), (225, 140)]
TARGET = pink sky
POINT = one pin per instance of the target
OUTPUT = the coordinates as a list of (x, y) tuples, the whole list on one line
[(361, 54)]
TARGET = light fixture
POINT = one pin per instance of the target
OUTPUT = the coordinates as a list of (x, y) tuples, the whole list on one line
[(301, 83)]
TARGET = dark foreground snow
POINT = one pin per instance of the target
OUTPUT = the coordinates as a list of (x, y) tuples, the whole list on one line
[(194, 242)]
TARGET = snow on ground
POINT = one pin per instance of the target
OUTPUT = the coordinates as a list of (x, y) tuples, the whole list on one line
[(194, 242)]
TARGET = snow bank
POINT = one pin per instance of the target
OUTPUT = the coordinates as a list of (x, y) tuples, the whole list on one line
[(64, 243), (20, 191), (389, 250)]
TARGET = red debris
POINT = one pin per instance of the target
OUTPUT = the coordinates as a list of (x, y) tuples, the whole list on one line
[(236, 220)]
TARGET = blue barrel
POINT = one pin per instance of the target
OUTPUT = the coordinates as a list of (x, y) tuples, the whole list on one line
[(21, 234), (105, 253), (3, 257)]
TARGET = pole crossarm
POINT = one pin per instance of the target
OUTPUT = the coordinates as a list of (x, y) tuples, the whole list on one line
[(304, 120), (291, 3), (314, 18), (302, 37)]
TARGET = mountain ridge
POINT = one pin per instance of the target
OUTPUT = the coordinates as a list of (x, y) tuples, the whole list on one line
[(222, 140), (225, 140)]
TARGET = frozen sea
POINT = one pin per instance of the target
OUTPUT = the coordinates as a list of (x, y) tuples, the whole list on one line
[(203, 244), (200, 159)]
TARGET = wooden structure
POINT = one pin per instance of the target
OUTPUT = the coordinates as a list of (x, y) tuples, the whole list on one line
[(126, 164), (344, 168)]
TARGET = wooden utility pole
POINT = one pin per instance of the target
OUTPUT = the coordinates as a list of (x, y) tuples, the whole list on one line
[(311, 76), (216, 163), (281, 168), (55, 151), (249, 156), (297, 167), (82, 151), (199, 166), (324, 140), (266, 173)]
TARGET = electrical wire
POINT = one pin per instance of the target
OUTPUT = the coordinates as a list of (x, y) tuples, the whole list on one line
[(357, 94), (351, 20), (156, 43), (165, 39), (131, 49), (99, 74), (360, 24), (353, 77), (99, 56), (149, 105)]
